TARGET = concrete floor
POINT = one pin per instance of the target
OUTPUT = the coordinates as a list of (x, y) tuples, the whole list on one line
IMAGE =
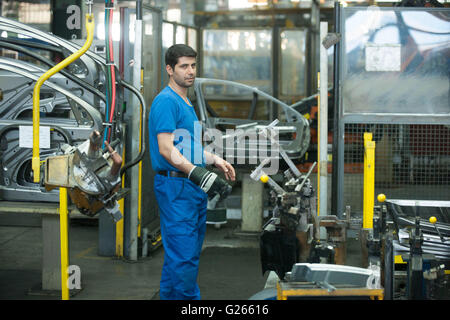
[(111, 278), (230, 265)]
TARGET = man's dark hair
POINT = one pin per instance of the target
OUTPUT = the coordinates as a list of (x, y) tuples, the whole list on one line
[(176, 51)]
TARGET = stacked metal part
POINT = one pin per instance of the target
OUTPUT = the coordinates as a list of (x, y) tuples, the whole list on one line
[(72, 104), (435, 237)]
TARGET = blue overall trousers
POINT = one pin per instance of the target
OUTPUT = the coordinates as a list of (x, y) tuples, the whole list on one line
[(182, 207)]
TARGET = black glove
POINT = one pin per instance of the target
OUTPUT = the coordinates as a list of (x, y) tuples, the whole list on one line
[(209, 182)]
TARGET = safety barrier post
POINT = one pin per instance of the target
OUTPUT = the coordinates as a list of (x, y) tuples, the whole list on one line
[(369, 181), (63, 225)]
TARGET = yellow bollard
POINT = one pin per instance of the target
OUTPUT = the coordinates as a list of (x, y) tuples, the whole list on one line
[(64, 234), (369, 181)]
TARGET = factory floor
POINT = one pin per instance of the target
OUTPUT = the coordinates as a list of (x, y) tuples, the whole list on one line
[(230, 267)]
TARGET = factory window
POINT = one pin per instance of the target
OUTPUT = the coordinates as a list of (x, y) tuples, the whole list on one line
[(180, 35), (239, 55), (167, 35), (31, 13), (36, 14), (192, 38), (293, 63), (240, 4)]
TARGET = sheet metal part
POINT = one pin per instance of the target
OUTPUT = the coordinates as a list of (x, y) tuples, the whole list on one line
[(434, 242), (71, 110), (14, 184), (295, 123), (327, 275)]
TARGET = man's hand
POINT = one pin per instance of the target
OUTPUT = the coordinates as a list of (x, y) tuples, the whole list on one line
[(225, 167)]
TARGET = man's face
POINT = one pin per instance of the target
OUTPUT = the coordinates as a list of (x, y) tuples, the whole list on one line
[(184, 72)]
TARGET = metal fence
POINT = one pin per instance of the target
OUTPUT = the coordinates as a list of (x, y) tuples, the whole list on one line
[(411, 162)]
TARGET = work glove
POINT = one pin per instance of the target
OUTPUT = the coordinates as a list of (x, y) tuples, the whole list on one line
[(209, 182)]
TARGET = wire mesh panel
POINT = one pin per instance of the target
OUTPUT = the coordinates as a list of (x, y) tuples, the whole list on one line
[(411, 162), (392, 79)]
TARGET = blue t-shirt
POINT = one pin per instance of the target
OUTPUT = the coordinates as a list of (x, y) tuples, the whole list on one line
[(170, 113)]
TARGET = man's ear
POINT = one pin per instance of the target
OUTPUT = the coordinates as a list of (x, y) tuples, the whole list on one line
[(169, 70)]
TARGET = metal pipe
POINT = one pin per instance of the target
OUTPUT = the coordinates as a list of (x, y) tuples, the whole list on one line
[(35, 162), (135, 132), (144, 242), (49, 63), (369, 181), (322, 172), (64, 242), (337, 185)]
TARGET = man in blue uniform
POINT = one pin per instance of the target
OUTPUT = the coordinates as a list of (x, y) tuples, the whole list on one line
[(182, 184)]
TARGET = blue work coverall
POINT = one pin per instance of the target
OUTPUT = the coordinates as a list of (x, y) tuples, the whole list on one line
[(182, 203)]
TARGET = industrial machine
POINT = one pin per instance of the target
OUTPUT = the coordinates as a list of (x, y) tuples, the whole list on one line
[(293, 233), (412, 248), (84, 98)]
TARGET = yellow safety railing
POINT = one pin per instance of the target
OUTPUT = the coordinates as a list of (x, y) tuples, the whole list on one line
[(369, 181), (63, 227), (119, 224), (35, 162), (63, 212)]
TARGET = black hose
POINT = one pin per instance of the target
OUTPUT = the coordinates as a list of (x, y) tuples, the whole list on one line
[(102, 96), (35, 45), (57, 128), (46, 61), (143, 127)]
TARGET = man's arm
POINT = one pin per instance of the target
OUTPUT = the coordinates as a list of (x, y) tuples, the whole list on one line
[(172, 154), (208, 181), (176, 159)]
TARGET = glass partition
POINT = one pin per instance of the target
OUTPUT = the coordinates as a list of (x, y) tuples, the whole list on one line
[(396, 60), (192, 38), (180, 35), (151, 60), (167, 34), (293, 63)]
